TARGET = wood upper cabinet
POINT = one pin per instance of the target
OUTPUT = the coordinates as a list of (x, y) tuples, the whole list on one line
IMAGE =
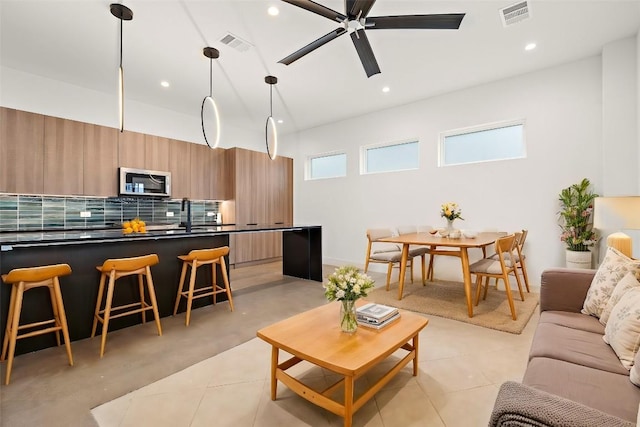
[(200, 178), (218, 175), (100, 160), (21, 152), (180, 168), (156, 153), (131, 150), (63, 156)]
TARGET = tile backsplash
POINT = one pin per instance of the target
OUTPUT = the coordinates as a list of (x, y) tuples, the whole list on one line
[(32, 212)]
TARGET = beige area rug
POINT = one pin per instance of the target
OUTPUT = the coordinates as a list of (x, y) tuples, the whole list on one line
[(446, 299)]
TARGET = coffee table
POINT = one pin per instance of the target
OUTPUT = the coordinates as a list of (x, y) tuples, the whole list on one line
[(315, 337)]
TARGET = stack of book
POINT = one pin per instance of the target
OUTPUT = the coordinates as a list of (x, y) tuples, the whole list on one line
[(376, 315)]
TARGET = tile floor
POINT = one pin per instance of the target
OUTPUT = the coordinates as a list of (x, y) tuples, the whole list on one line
[(216, 373)]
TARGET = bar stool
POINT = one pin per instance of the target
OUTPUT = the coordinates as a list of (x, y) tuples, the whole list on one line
[(114, 269), (197, 258), (23, 279)]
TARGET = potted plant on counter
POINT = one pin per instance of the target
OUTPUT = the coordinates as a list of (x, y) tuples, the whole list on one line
[(576, 210)]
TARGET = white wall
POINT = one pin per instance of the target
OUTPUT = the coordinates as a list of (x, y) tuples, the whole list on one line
[(619, 118), (562, 108), (37, 94)]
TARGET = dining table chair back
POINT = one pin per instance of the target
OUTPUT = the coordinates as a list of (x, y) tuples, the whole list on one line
[(498, 267), (383, 252)]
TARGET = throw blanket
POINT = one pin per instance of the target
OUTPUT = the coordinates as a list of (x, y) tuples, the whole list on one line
[(518, 405)]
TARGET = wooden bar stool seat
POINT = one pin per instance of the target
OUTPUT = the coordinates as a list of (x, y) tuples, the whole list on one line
[(197, 258), (23, 279), (114, 269)]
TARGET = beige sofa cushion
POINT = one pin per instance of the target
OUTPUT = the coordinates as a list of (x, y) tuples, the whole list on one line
[(613, 268), (628, 282), (608, 392), (622, 332)]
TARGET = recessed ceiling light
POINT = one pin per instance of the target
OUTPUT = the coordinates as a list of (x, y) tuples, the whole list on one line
[(386, 89), (280, 121), (530, 46), (273, 11), (164, 83)]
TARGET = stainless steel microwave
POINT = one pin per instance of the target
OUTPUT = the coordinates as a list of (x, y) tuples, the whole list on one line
[(143, 182)]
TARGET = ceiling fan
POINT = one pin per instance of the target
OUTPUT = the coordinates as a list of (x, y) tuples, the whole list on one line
[(355, 21)]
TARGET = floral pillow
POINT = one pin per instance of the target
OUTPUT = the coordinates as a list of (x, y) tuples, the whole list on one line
[(622, 332), (628, 282), (613, 268)]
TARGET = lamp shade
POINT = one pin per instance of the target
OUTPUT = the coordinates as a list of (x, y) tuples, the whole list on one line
[(617, 213)]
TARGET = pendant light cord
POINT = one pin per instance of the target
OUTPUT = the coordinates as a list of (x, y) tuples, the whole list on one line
[(120, 42), (271, 100), (211, 77)]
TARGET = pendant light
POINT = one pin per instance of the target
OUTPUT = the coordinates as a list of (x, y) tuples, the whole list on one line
[(209, 104), (270, 131), (123, 13)]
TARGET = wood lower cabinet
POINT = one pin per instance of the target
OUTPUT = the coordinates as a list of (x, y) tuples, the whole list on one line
[(63, 156), (21, 152), (100, 160)]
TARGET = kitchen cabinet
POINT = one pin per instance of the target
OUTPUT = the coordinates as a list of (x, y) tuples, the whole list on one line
[(156, 153), (263, 194), (201, 174), (63, 156), (218, 175), (100, 160), (21, 152), (179, 166), (131, 150)]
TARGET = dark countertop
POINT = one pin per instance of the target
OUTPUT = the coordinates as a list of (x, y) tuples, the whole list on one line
[(36, 238)]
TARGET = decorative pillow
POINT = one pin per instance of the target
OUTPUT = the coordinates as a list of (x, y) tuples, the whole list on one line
[(634, 375), (628, 282), (622, 332), (613, 268)]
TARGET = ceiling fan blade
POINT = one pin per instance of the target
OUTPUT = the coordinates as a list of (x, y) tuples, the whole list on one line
[(444, 21), (312, 46), (368, 59), (314, 7), (362, 7)]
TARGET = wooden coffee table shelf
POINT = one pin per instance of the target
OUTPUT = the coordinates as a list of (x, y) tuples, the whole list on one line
[(315, 337)]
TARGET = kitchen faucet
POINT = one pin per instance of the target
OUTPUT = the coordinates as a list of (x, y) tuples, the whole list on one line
[(188, 223)]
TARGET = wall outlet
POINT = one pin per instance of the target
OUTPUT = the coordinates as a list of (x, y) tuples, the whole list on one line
[(169, 213), (85, 214)]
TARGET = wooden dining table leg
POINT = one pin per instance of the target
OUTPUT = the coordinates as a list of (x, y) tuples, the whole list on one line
[(403, 269), (274, 365), (466, 274)]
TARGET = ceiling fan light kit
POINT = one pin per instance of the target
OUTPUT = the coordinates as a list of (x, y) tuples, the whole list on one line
[(208, 101), (270, 130), (355, 22), (123, 13)]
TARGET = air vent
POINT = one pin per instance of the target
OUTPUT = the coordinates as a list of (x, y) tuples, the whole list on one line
[(236, 42), (515, 13)]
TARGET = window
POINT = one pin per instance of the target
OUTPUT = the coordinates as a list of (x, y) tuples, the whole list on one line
[(327, 166), (496, 141), (389, 157)]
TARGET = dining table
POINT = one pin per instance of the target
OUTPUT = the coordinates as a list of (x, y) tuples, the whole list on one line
[(447, 246)]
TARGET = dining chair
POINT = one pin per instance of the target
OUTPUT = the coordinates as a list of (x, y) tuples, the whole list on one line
[(418, 250), (487, 268), (384, 252), (518, 257)]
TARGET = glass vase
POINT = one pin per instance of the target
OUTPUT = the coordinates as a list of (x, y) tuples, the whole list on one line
[(348, 319), (450, 228)]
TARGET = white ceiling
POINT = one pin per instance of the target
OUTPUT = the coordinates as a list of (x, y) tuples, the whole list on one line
[(77, 42)]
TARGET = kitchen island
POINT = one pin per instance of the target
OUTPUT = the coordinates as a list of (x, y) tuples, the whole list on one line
[(83, 250)]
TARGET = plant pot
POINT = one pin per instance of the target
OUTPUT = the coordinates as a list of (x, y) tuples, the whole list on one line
[(578, 259)]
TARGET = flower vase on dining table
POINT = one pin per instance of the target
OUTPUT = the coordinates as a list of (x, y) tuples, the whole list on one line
[(348, 319), (450, 228)]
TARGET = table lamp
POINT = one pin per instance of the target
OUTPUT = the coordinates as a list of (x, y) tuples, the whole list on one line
[(617, 213)]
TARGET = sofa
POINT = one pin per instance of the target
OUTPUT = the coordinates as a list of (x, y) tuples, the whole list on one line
[(573, 377)]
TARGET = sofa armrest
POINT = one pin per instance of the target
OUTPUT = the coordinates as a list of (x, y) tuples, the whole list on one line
[(564, 289), (519, 405)]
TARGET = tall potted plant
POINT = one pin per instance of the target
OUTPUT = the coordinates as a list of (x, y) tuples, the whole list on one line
[(576, 209)]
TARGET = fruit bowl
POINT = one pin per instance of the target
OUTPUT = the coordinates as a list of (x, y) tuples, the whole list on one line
[(443, 232)]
